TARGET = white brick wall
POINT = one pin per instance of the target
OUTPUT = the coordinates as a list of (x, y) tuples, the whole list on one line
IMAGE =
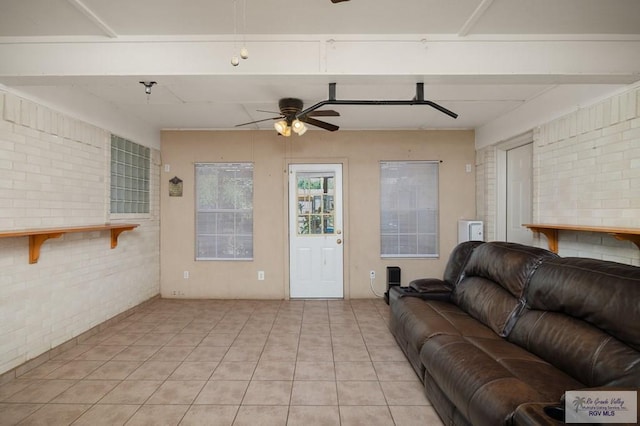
[(54, 171), (586, 172), (486, 190)]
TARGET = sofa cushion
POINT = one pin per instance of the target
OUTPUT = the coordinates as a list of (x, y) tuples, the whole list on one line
[(441, 288), (414, 320), (494, 281), (449, 413), (604, 294), (458, 260), (584, 318), (590, 355), (487, 379)]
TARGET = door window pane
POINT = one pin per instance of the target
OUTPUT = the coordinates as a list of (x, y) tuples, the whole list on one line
[(316, 213)]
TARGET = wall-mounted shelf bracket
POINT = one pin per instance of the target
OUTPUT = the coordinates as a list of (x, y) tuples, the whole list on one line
[(551, 232), (37, 237)]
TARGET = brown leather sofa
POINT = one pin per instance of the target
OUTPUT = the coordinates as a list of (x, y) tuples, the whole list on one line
[(510, 328)]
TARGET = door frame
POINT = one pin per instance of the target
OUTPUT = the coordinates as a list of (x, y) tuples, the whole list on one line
[(501, 181), (345, 221)]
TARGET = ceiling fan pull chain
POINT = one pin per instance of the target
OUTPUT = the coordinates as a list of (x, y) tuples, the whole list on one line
[(244, 52)]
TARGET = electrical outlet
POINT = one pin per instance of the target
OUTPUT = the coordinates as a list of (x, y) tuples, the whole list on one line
[(372, 274), (185, 275), (260, 275)]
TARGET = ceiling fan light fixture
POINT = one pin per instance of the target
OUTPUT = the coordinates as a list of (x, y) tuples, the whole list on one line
[(292, 119), (282, 127), (298, 127)]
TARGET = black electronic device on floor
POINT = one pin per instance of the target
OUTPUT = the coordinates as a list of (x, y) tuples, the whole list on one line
[(393, 280)]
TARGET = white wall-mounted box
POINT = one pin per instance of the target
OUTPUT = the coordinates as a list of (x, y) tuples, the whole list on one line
[(470, 230)]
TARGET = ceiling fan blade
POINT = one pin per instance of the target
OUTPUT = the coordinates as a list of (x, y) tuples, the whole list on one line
[(324, 113), (259, 121), (338, 1), (322, 124)]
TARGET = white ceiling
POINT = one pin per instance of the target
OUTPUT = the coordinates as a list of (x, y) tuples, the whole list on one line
[(482, 59)]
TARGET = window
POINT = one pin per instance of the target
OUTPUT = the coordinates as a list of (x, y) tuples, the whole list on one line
[(224, 211), (130, 166), (409, 209), (316, 212)]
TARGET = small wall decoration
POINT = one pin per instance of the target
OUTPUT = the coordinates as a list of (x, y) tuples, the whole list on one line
[(175, 187)]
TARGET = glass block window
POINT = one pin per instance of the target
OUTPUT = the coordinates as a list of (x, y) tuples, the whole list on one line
[(224, 211), (409, 209), (130, 170)]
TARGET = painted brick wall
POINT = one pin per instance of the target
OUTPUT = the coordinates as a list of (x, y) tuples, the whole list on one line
[(586, 172), (486, 190), (54, 171)]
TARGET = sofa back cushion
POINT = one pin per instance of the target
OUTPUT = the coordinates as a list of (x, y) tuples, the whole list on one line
[(494, 280), (605, 294), (584, 318), (457, 261)]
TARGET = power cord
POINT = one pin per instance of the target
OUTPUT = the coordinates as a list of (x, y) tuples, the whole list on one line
[(372, 289)]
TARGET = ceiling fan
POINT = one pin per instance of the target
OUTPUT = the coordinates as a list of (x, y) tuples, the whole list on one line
[(338, 1), (293, 116), (291, 119)]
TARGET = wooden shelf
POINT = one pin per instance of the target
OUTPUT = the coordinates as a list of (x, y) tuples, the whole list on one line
[(38, 236), (551, 232)]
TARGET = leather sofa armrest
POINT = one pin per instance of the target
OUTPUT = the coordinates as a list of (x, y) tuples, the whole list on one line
[(431, 288), (537, 414), (552, 413)]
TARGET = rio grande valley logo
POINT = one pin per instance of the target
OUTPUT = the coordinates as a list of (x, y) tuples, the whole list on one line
[(601, 406)]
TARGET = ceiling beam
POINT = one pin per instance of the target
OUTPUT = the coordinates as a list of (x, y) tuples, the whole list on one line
[(95, 19), (475, 17), (532, 61)]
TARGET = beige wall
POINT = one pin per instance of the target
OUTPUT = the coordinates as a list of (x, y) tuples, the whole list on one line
[(360, 154)]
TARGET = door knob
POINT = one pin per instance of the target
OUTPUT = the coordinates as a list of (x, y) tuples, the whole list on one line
[(339, 241)]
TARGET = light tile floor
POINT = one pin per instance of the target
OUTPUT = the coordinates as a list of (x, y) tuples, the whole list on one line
[(215, 362)]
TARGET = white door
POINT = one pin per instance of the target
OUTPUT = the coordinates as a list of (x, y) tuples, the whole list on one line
[(315, 231), (519, 193)]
